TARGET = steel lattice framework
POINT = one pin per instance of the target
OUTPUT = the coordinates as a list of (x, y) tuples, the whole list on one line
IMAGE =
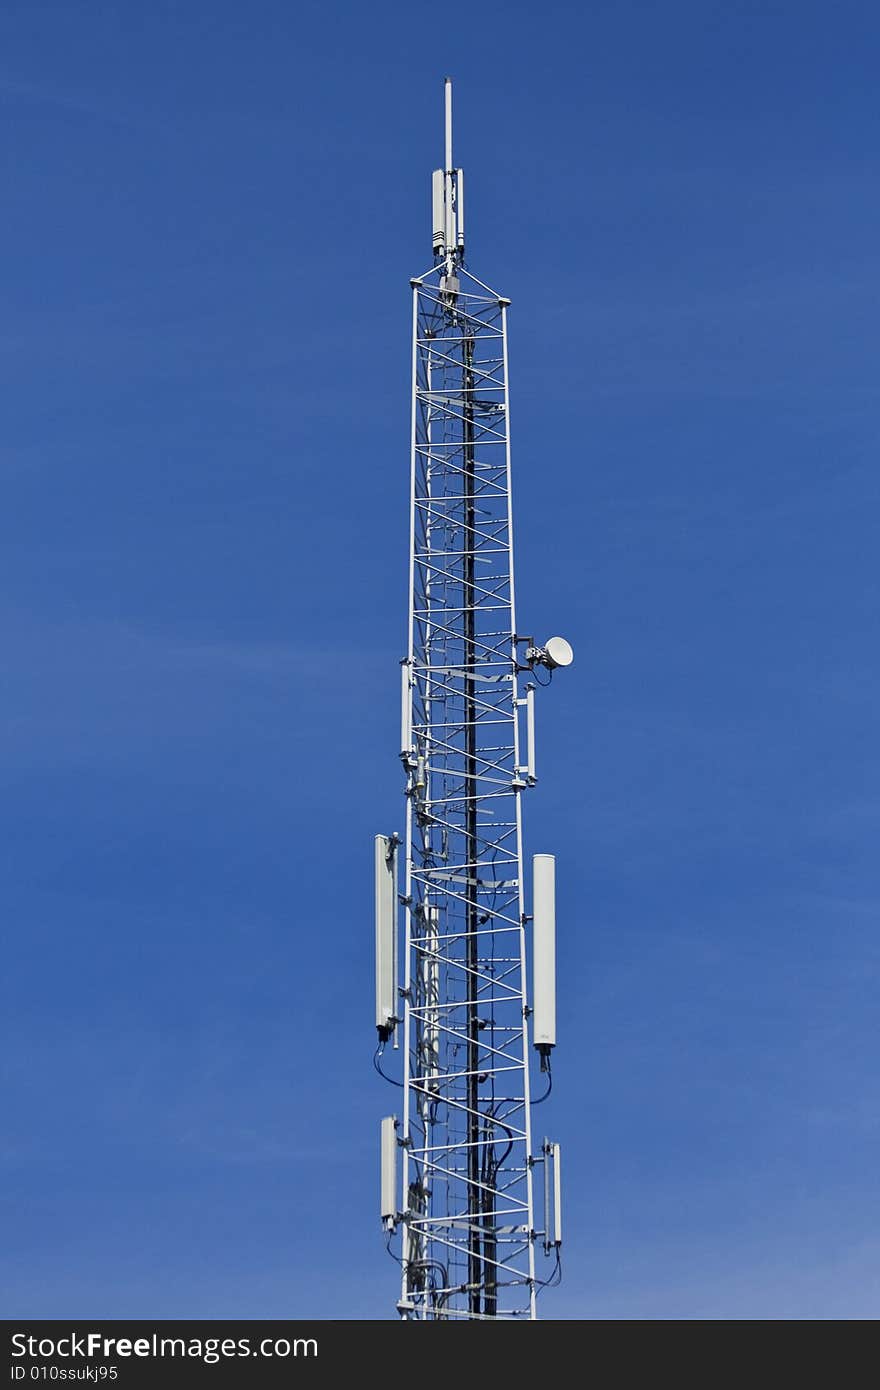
[(465, 1201), (467, 1174)]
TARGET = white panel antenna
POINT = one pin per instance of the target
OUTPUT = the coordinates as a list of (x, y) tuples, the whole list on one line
[(544, 952), (386, 934), (405, 710), (388, 1171), (552, 1158), (530, 735)]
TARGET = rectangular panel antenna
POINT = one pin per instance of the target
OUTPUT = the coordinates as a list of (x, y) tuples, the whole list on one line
[(388, 1166), (386, 934), (544, 951), (459, 206), (557, 1194), (439, 210), (405, 709)]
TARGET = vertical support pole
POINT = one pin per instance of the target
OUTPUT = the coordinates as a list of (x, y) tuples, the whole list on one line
[(407, 918), (430, 999), (470, 784), (394, 847), (514, 658)]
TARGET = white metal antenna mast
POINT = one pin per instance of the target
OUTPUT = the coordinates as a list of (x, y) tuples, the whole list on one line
[(458, 1166)]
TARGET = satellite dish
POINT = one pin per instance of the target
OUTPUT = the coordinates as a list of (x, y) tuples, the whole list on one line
[(559, 652)]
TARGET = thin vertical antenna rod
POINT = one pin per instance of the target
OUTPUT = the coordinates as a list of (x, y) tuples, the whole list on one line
[(449, 185), (449, 164)]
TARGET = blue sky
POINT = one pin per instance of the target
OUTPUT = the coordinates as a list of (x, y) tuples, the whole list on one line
[(211, 213)]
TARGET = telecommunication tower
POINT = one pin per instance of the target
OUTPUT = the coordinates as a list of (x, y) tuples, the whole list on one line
[(459, 1167)]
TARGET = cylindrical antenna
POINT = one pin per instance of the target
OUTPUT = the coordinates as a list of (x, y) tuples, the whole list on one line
[(449, 164), (449, 225)]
